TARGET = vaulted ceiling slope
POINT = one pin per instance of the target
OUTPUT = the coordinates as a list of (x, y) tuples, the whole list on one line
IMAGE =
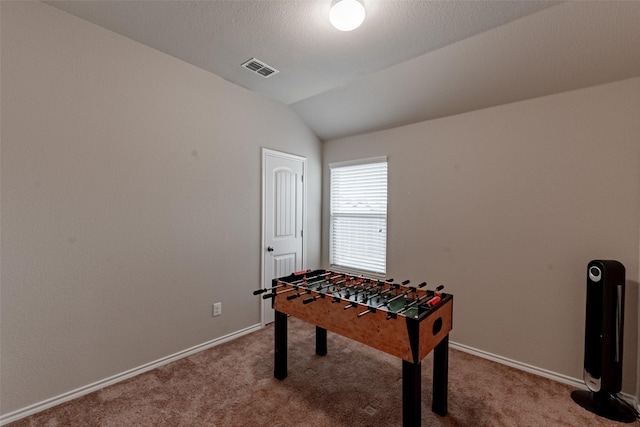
[(410, 61)]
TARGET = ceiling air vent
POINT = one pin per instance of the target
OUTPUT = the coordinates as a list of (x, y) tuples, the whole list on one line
[(259, 67)]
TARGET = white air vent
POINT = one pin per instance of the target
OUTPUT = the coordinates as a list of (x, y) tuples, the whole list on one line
[(259, 67)]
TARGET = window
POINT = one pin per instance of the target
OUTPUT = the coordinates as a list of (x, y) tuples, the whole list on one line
[(358, 215)]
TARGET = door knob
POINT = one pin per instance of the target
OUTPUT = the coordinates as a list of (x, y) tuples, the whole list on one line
[(270, 248)]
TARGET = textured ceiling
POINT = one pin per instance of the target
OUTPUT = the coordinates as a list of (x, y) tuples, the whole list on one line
[(410, 61)]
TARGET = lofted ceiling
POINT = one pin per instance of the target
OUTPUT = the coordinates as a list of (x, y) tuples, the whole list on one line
[(411, 60)]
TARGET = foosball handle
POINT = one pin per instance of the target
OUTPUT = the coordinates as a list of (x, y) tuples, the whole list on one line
[(267, 296), (421, 285), (433, 301), (294, 296), (259, 291)]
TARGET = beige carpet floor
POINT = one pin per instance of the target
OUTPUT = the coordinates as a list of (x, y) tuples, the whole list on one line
[(353, 385)]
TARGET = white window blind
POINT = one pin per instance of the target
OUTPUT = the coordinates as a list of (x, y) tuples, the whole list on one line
[(358, 215)]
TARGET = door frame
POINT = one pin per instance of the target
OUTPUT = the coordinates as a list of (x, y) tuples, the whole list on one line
[(267, 152)]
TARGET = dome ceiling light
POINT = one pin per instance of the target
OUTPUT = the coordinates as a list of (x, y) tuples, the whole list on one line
[(346, 15)]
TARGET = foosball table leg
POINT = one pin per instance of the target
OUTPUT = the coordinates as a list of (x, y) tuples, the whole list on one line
[(280, 345), (321, 341), (411, 400), (440, 377)]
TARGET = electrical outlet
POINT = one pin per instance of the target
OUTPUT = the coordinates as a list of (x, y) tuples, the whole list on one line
[(217, 309)]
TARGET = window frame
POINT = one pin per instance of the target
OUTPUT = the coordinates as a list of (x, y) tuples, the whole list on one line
[(335, 264)]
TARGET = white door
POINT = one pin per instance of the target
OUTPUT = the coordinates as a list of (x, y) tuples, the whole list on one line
[(283, 200)]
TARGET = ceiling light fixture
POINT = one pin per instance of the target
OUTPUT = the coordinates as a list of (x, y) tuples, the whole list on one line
[(346, 15)]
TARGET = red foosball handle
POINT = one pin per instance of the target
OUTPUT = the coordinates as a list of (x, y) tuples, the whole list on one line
[(297, 273), (433, 301)]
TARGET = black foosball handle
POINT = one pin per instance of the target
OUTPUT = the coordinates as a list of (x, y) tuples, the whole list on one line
[(309, 300)]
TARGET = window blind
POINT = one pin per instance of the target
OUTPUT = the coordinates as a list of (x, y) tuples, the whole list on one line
[(358, 215)]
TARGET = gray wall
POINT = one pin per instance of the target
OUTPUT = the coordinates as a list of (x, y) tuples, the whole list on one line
[(130, 203), (506, 206)]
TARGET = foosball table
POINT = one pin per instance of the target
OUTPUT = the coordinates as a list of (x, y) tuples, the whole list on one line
[(400, 319)]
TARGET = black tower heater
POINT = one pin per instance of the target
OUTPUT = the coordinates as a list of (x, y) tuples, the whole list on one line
[(603, 342)]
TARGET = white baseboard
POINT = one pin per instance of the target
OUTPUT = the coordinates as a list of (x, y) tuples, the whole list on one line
[(74, 394), (90, 388), (565, 379)]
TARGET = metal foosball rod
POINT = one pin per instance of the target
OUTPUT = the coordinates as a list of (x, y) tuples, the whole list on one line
[(273, 293), (367, 311), (292, 288), (341, 285), (351, 304), (351, 290), (333, 286), (381, 291), (363, 301), (319, 288), (393, 315), (312, 299), (339, 282), (355, 303), (322, 295), (392, 287), (336, 291), (301, 291), (336, 297), (331, 280), (405, 293), (280, 283), (347, 281), (369, 296), (365, 289), (353, 282), (306, 278), (372, 309), (434, 299), (263, 290), (303, 284)]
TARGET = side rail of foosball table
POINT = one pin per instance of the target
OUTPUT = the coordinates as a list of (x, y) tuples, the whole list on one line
[(409, 339)]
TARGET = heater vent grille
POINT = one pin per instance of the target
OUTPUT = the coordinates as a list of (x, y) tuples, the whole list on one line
[(260, 67)]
